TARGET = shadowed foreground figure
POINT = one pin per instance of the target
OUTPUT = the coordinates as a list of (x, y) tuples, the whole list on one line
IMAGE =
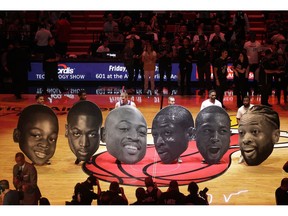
[(25, 180)]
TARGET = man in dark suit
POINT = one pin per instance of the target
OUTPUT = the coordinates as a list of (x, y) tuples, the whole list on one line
[(25, 180)]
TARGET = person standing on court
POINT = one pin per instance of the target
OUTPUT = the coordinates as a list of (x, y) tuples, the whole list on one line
[(25, 180), (171, 100), (211, 100), (124, 100), (185, 66), (220, 75), (165, 63), (149, 57)]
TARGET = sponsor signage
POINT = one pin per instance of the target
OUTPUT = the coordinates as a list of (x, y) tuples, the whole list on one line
[(104, 71)]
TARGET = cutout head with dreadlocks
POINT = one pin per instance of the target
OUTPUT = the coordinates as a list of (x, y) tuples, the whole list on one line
[(258, 132)]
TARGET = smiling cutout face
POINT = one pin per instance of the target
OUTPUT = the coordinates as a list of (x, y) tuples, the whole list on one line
[(126, 134), (172, 129), (37, 133), (213, 133), (258, 132), (84, 122)]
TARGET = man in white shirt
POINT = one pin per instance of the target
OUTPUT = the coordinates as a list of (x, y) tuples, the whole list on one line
[(124, 100), (243, 109), (211, 101)]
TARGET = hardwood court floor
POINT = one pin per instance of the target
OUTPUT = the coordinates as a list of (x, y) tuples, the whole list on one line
[(239, 185)]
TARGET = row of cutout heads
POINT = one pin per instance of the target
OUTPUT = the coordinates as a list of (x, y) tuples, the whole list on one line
[(125, 132)]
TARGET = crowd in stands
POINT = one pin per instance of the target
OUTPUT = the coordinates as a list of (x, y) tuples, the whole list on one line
[(204, 35), (174, 36)]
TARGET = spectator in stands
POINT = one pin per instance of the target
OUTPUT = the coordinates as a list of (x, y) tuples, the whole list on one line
[(175, 48), (185, 66), (281, 193), (50, 67), (62, 34), (267, 67), (109, 24), (149, 57), (8, 196), (133, 34), (124, 100), (41, 38), (150, 35), (202, 55), (172, 196), (195, 198), (138, 64), (205, 17), (277, 37), (265, 122), (200, 32), (211, 100), (183, 33), (277, 24), (240, 69), (84, 121), (165, 63), (142, 29), (116, 36), (280, 78), (241, 22), (253, 50), (114, 196), (128, 59), (217, 41), (220, 75), (223, 20), (126, 25), (14, 30), (18, 64), (213, 133), (26, 32), (104, 47)]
